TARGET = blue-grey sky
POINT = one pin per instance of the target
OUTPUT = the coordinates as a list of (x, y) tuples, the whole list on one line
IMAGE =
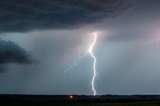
[(40, 39)]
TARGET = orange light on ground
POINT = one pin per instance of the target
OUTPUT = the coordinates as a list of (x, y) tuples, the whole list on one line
[(71, 97)]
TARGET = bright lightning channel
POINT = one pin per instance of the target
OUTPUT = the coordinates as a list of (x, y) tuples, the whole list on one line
[(94, 63), (81, 56)]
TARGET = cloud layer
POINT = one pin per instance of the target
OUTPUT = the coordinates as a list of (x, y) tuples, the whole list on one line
[(26, 15), (12, 53)]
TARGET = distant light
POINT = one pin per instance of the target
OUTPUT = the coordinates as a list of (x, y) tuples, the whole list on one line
[(71, 96)]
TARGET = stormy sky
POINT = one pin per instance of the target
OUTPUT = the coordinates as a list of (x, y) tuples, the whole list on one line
[(40, 40)]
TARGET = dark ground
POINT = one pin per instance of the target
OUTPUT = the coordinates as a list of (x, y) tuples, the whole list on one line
[(77, 100)]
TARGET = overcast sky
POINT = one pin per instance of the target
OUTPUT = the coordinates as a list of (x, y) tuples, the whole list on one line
[(40, 40)]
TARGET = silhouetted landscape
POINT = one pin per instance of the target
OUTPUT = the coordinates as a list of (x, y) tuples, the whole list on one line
[(80, 100)]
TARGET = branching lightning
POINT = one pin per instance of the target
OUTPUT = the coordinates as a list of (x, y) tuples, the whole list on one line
[(81, 56), (154, 40), (77, 61)]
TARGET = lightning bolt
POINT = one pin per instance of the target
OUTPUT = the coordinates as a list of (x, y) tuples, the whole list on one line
[(154, 40), (81, 56), (77, 61), (94, 63)]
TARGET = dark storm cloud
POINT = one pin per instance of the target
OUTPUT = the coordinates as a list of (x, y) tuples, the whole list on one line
[(26, 15), (12, 53)]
